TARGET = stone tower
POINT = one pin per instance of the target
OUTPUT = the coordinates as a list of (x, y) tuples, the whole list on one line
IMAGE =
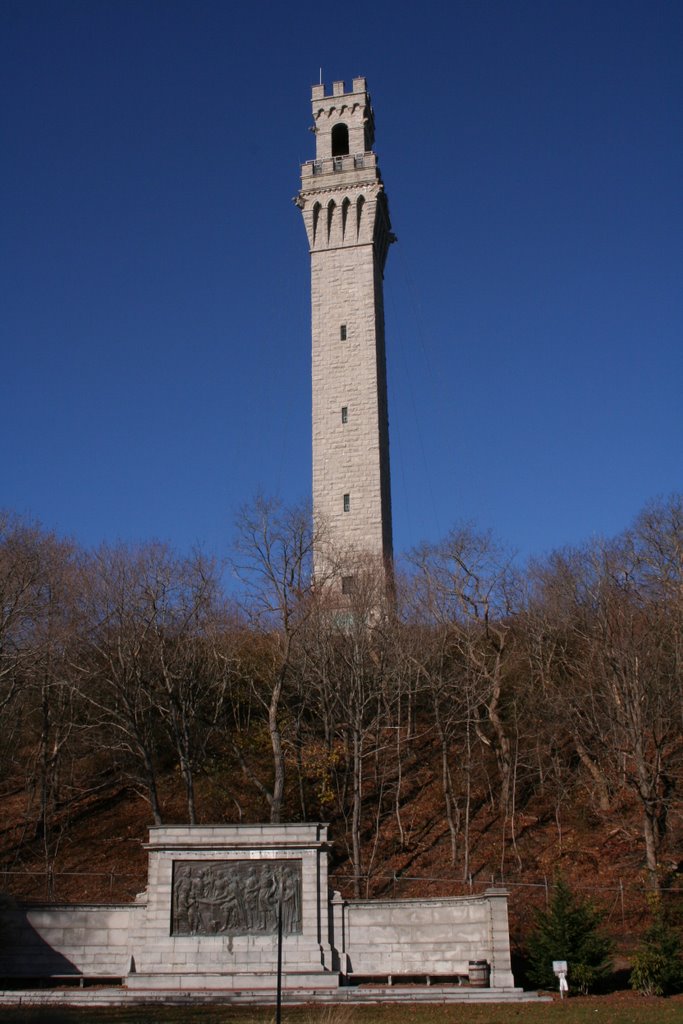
[(346, 215)]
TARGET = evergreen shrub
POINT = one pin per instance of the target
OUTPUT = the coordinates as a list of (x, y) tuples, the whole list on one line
[(658, 963), (568, 930)]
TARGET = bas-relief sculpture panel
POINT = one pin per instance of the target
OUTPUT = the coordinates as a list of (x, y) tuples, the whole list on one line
[(237, 897)]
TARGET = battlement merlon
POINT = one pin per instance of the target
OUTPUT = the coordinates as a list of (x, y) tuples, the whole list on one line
[(359, 84), (343, 122)]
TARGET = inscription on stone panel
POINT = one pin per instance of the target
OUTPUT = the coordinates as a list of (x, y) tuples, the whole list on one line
[(235, 897)]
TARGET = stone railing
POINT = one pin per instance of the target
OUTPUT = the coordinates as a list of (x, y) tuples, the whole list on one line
[(336, 164)]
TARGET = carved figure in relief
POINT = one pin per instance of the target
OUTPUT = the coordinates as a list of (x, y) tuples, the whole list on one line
[(290, 903), (267, 901), (251, 890), (221, 904), (182, 903), (231, 906), (195, 902)]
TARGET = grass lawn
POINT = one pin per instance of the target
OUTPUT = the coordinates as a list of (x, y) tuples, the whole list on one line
[(623, 1008)]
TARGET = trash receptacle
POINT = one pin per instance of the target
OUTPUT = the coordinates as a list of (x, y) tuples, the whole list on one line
[(479, 973)]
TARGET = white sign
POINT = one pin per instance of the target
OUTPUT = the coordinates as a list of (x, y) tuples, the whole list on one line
[(559, 967)]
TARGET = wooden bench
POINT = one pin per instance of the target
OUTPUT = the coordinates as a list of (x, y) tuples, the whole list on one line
[(407, 979), (60, 980)]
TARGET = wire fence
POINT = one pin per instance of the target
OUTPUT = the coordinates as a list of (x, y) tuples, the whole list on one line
[(473, 885), (38, 885), (622, 902), (47, 884)]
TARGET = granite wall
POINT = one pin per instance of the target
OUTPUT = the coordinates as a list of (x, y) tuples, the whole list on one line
[(209, 919)]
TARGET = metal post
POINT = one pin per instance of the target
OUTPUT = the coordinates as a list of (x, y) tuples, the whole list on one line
[(278, 1005), (623, 912)]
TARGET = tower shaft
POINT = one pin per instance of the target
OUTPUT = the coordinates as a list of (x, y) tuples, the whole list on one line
[(347, 222)]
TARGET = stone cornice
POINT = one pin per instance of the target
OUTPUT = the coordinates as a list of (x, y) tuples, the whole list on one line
[(373, 188)]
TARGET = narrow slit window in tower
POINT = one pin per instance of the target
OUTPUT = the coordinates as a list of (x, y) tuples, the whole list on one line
[(347, 584), (345, 414), (342, 332), (347, 502)]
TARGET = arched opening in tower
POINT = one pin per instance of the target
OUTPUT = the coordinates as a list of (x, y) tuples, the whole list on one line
[(340, 140)]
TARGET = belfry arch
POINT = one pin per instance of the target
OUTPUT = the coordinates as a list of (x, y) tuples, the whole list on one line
[(340, 139)]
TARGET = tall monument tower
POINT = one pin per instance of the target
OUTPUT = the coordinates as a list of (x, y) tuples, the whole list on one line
[(346, 215)]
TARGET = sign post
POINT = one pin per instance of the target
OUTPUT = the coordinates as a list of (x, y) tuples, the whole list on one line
[(560, 971)]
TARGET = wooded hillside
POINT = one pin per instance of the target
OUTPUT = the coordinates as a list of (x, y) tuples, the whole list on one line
[(488, 722)]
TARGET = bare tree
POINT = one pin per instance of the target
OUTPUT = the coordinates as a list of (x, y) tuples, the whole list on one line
[(187, 675), (636, 663), (23, 580), (354, 666), (433, 647), (37, 702), (608, 643), (558, 632), (125, 598), (468, 588), (273, 559)]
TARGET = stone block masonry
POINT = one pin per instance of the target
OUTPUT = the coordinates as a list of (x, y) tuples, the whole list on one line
[(346, 215), (52, 941), (433, 937)]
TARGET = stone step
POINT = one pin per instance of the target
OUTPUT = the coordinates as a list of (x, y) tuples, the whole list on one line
[(266, 997)]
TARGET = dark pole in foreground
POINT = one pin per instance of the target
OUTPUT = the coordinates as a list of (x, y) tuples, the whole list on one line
[(278, 1004)]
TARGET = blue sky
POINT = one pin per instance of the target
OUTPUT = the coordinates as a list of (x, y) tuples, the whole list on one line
[(154, 275)]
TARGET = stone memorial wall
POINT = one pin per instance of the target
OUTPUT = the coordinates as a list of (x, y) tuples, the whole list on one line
[(208, 919)]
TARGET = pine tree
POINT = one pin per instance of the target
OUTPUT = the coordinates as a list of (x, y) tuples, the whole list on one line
[(568, 930), (658, 963)]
